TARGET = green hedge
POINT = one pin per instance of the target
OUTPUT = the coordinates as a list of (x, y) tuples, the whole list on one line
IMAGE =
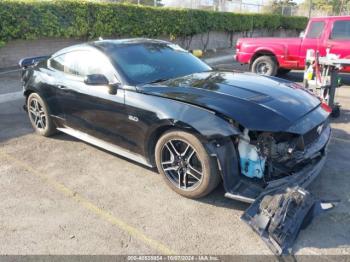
[(30, 19)]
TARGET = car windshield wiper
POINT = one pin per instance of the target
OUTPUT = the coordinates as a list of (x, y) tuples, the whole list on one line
[(158, 80)]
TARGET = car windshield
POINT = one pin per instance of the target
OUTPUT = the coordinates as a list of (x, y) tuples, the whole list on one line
[(143, 63)]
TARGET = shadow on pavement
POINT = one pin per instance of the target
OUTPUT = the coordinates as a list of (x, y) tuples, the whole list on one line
[(14, 121), (343, 118), (217, 198), (331, 229)]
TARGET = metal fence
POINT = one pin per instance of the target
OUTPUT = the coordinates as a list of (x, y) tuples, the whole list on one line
[(243, 6)]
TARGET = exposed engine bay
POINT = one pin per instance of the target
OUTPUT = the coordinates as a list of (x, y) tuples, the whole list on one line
[(284, 164), (270, 156)]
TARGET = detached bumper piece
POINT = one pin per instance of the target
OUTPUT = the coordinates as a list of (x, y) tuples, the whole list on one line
[(278, 215)]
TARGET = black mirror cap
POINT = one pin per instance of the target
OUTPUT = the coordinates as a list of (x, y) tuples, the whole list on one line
[(112, 89), (96, 80)]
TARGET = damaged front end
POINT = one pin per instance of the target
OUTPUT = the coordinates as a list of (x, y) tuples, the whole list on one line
[(273, 171), (279, 213), (280, 155), (267, 158)]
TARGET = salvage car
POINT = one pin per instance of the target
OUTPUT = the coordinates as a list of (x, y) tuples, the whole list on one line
[(155, 103)]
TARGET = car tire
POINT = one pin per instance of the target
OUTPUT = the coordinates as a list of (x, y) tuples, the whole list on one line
[(183, 175), (283, 71), (39, 116), (265, 65)]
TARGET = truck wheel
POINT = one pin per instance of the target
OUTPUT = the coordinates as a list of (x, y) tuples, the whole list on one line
[(265, 65), (283, 71)]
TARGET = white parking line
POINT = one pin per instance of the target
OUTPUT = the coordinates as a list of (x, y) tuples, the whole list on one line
[(11, 97), (10, 71)]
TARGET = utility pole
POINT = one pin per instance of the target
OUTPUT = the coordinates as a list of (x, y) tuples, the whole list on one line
[(310, 7), (154, 2), (341, 7)]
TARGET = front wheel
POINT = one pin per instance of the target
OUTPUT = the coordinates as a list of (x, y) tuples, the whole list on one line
[(265, 65), (39, 115), (185, 164)]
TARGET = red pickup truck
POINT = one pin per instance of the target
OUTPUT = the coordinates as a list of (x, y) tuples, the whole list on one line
[(271, 56)]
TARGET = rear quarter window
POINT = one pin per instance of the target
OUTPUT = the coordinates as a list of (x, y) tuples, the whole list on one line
[(57, 63)]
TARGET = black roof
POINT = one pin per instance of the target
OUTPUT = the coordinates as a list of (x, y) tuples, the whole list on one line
[(127, 41), (104, 45)]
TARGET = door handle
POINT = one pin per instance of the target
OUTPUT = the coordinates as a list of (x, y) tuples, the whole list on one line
[(61, 87)]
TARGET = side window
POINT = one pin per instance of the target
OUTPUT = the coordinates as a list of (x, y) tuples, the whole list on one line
[(315, 30), (65, 63), (341, 30), (83, 63), (76, 63), (57, 63)]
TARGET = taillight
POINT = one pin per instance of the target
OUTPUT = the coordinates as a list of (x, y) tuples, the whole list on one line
[(238, 46), (326, 107)]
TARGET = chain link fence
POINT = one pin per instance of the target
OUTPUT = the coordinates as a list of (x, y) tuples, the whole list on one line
[(245, 6)]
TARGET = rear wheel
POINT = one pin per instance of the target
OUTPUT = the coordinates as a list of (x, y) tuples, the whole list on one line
[(185, 164), (39, 115), (265, 65)]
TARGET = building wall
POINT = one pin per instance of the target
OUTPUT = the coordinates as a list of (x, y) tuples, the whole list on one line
[(13, 51)]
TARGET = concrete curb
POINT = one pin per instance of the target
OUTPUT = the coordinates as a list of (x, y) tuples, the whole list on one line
[(218, 59)]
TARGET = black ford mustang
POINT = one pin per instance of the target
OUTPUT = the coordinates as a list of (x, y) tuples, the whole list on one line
[(155, 103)]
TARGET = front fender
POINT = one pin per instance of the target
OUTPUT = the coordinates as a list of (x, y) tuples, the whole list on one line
[(158, 114), (226, 155), (207, 124)]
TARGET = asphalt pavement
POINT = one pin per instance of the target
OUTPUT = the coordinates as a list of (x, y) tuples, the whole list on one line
[(62, 196)]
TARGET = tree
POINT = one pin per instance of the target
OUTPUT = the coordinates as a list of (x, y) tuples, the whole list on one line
[(280, 7), (328, 7)]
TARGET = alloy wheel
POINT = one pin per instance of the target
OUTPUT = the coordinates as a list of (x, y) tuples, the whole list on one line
[(181, 164), (37, 113)]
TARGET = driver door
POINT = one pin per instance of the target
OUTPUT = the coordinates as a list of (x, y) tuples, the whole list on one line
[(314, 39), (90, 109)]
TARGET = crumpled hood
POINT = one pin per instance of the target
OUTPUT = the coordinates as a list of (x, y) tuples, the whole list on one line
[(257, 102)]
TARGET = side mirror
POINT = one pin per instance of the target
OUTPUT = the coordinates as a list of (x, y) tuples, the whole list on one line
[(101, 80), (302, 34), (96, 80), (112, 88)]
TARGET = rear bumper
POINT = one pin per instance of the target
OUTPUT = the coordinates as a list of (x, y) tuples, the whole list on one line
[(243, 58)]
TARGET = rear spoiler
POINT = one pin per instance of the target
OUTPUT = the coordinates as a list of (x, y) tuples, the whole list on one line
[(30, 61)]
